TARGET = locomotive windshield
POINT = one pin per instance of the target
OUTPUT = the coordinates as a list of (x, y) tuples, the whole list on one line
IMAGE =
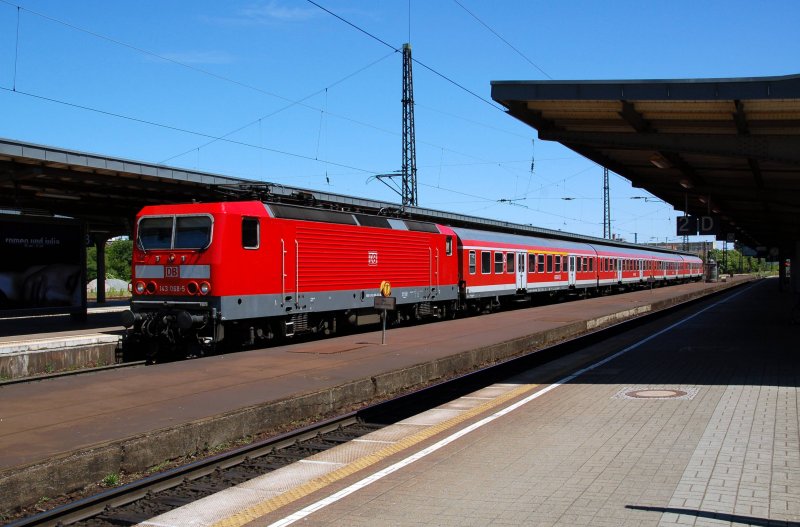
[(174, 232)]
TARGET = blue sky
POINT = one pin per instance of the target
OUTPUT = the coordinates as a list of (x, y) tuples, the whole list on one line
[(309, 101)]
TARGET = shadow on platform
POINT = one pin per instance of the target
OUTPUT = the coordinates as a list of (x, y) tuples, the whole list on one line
[(733, 518)]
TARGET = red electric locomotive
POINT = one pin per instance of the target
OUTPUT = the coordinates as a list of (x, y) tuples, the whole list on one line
[(239, 272)]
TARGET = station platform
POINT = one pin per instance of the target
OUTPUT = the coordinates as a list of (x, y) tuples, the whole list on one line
[(62, 433), (689, 420), (42, 344)]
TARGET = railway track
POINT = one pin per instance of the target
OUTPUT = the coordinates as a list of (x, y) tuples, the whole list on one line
[(138, 501), (141, 500)]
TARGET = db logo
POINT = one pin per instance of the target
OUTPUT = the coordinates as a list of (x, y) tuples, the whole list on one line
[(372, 258), (172, 271)]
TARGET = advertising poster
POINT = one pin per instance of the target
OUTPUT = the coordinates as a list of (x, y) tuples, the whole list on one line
[(41, 265)]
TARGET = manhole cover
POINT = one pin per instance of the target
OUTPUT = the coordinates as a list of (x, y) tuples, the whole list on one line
[(656, 393)]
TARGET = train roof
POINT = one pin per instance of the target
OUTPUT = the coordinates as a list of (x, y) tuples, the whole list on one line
[(294, 212), (466, 234), (279, 194), (363, 209)]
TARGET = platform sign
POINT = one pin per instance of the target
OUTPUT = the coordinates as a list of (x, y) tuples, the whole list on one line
[(687, 225), (384, 304), (707, 225)]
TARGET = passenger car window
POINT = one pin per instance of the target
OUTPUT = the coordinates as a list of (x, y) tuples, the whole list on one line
[(498, 263), (472, 262), (486, 262)]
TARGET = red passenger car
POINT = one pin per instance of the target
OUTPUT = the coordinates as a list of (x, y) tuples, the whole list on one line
[(496, 265)]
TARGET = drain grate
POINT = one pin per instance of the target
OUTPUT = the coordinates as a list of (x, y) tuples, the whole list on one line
[(659, 393)]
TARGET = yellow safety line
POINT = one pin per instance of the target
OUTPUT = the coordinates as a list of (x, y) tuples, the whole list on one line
[(261, 509)]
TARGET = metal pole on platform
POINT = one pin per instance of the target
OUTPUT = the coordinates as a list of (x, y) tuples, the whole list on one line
[(383, 333)]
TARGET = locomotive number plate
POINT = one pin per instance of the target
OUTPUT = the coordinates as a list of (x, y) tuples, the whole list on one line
[(171, 289), (172, 271)]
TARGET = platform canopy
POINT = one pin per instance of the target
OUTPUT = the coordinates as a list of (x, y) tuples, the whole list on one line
[(728, 149)]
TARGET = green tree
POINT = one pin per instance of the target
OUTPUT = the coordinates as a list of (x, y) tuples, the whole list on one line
[(734, 262), (119, 254)]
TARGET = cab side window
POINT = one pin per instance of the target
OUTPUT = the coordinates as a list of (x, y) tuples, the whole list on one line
[(250, 233)]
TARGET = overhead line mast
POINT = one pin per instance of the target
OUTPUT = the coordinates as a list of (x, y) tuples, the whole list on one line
[(409, 170), (606, 206)]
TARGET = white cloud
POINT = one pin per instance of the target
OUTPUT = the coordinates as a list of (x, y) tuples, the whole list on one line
[(265, 13), (275, 11)]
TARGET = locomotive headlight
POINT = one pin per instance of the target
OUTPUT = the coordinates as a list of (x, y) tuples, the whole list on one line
[(205, 288), (151, 287), (140, 288)]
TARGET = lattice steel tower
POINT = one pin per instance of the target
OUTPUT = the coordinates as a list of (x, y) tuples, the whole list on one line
[(409, 171), (606, 206)]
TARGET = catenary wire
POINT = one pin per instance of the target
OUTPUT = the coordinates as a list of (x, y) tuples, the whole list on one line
[(182, 130), (507, 43), (296, 103), (429, 68)]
